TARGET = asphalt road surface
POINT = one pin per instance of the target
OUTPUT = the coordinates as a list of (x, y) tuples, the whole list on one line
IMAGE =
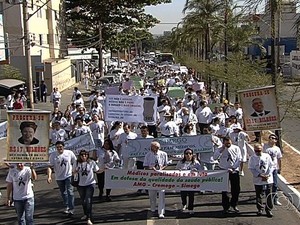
[(127, 208)]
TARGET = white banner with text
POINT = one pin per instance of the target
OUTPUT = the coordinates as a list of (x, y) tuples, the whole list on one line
[(171, 145), (124, 108), (216, 181)]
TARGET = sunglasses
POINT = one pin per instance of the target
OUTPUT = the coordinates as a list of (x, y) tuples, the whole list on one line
[(84, 154), (273, 138), (188, 153)]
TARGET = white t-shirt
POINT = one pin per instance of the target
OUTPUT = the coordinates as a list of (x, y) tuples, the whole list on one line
[(123, 139), (160, 159), (97, 130), (82, 130), (62, 164), (21, 181), (58, 135), (86, 172), (274, 152), (107, 158), (169, 128)]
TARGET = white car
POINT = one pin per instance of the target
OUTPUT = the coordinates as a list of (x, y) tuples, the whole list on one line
[(184, 69)]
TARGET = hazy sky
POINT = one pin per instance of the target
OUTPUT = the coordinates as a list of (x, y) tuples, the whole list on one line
[(166, 13), (172, 13)]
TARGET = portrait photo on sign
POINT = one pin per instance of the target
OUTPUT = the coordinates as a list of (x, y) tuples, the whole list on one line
[(260, 111), (28, 136)]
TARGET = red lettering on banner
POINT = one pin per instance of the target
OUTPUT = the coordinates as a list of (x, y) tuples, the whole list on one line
[(28, 117)]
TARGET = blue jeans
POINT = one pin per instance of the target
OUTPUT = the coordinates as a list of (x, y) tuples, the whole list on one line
[(86, 196), (66, 191), (24, 210), (275, 185)]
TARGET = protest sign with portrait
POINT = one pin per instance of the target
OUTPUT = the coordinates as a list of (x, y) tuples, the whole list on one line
[(27, 136), (260, 111)]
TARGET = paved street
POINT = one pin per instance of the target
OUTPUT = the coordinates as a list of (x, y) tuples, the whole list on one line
[(128, 208)]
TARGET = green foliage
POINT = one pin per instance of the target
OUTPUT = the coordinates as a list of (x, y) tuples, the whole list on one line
[(10, 72), (115, 16), (240, 74)]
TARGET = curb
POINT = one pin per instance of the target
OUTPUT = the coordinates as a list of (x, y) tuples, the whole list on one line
[(289, 191)]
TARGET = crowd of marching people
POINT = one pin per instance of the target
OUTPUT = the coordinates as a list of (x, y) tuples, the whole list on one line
[(188, 115)]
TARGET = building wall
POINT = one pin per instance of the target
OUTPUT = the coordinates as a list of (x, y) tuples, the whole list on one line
[(58, 74)]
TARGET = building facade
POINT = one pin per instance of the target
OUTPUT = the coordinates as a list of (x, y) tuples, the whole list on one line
[(45, 33)]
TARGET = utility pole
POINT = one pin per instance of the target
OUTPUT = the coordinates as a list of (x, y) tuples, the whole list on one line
[(273, 9), (27, 55)]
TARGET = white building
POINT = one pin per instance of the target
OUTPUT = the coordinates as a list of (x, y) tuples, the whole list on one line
[(45, 41)]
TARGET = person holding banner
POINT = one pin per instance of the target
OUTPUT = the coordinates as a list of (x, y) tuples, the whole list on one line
[(107, 158), (62, 162), (156, 160), (189, 162), (19, 186), (230, 158)]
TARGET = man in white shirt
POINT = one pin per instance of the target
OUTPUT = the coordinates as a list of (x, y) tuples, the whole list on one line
[(62, 162), (168, 127), (276, 155), (156, 160), (128, 163), (80, 128), (97, 128), (204, 116), (19, 186), (57, 133), (261, 166), (230, 157)]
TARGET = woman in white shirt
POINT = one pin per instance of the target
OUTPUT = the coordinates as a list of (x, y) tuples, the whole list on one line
[(189, 162), (85, 168), (108, 158)]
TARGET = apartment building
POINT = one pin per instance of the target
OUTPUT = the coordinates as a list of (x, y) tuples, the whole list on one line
[(45, 28)]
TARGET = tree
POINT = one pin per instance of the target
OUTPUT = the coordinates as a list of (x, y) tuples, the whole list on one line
[(89, 22), (10, 72)]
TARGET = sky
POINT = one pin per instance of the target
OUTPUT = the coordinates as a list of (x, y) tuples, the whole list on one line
[(170, 13), (166, 13)]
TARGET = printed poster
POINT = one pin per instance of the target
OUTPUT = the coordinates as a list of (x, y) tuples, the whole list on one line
[(260, 111), (171, 145), (124, 108), (169, 180), (27, 136)]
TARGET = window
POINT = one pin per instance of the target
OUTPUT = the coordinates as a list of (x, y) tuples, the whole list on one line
[(39, 12)]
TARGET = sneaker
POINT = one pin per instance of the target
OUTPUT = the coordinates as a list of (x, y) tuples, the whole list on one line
[(108, 198), (71, 212), (66, 211), (277, 203), (183, 207), (89, 222), (161, 216), (259, 212), (235, 209), (191, 212), (84, 217), (242, 173), (269, 214)]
